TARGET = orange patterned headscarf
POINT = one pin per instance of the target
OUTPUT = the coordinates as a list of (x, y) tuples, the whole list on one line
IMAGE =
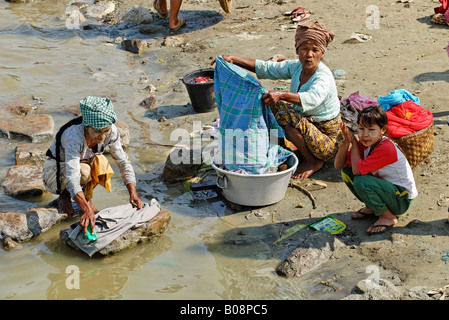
[(313, 31)]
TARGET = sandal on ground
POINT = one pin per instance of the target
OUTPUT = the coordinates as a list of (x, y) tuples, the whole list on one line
[(291, 13), (384, 226), (159, 12), (182, 23), (301, 16), (364, 214)]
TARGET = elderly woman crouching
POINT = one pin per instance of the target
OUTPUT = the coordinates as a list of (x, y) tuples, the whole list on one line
[(310, 112), (75, 162)]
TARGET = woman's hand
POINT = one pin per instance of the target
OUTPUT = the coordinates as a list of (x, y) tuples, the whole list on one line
[(135, 202), (272, 97), (88, 218), (226, 58), (248, 64), (133, 198)]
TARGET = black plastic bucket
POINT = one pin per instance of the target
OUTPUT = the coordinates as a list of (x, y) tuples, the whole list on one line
[(202, 95)]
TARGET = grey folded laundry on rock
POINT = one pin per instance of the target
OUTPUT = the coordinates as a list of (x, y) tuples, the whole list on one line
[(112, 222)]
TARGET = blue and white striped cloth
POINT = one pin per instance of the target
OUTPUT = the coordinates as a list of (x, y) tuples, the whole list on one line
[(248, 129)]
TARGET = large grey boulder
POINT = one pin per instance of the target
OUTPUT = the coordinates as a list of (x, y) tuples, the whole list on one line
[(21, 224), (314, 250), (181, 164)]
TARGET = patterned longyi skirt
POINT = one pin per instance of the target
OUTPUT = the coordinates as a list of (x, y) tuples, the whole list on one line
[(323, 139)]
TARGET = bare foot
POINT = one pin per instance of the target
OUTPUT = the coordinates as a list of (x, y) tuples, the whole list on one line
[(382, 224), (176, 25), (307, 168), (65, 204), (362, 213), (161, 9)]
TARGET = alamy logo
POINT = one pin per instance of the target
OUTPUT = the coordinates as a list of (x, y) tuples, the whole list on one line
[(373, 19), (73, 279)]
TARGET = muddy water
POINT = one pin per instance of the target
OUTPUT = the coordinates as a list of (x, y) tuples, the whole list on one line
[(39, 56)]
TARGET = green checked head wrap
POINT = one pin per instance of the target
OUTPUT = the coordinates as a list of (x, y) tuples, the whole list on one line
[(97, 113)]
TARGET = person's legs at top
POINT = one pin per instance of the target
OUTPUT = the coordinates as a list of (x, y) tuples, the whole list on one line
[(174, 23), (161, 8)]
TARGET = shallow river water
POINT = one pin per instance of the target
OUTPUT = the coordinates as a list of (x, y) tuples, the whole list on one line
[(40, 57)]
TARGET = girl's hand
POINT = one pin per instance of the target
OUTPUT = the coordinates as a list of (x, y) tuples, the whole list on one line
[(348, 134)]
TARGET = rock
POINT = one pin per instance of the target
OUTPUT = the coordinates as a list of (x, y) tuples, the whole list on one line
[(419, 293), (313, 251), (181, 164), (9, 244), (148, 102), (73, 16), (149, 29), (37, 128), (173, 41), (99, 9), (138, 15), (149, 231), (22, 106), (375, 290), (21, 224), (134, 45), (24, 180), (31, 154)]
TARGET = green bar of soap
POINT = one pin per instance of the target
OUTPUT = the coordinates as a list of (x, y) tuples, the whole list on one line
[(91, 235)]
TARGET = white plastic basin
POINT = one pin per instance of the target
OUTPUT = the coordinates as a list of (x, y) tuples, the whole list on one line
[(255, 189)]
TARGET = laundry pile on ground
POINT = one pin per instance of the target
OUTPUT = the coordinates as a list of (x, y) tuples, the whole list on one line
[(409, 124), (405, 114), (350, 107)]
